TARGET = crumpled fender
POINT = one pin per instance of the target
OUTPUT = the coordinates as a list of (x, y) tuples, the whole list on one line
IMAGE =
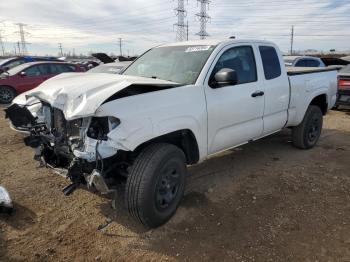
[(80, 94)]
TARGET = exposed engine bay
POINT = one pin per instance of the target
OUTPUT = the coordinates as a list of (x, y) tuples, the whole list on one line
[(76, 149)]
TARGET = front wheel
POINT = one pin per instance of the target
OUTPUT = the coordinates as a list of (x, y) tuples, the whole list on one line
[(7, 94), (306, 135), (156, 184)]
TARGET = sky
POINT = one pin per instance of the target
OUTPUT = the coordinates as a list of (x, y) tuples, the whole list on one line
[(85, 26)]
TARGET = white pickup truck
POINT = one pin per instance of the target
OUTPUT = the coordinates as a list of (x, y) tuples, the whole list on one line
[(174, 106)]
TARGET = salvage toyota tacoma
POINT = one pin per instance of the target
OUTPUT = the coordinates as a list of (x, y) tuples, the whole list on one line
[(174, 106)]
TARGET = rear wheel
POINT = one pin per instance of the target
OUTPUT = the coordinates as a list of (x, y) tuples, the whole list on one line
[(156, 184), (7, 94), (306, 135)]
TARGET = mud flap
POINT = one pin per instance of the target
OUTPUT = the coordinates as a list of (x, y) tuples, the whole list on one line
[(19, 116)]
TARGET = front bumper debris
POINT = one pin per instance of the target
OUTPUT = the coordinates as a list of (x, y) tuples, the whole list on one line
[(67, 146), (6, 204)]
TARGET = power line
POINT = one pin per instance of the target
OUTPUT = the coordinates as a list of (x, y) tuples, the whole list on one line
[(181, 13), (203, 18)]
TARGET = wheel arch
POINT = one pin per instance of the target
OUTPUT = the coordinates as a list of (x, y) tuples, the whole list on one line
[(184, 139), (322, 102), (14, 89)]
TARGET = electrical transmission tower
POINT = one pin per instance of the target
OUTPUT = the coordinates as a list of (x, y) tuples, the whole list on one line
[(203, 18), (61, 50), (23, 41), (181, 32)]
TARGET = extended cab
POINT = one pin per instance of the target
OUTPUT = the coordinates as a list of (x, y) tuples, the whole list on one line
[(174, 106)]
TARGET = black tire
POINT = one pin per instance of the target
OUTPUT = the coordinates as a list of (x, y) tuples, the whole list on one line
[(306, 135), (147, 188), (7, 94)]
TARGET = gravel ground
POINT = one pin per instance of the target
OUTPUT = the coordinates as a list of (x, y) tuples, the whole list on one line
[(266, 201)]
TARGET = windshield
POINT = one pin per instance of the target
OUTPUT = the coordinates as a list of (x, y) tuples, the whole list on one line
[(4, 61), (17, 69), (180, 64), (111, 69)]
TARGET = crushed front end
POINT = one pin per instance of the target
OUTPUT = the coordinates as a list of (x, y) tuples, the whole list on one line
[(78, 149)]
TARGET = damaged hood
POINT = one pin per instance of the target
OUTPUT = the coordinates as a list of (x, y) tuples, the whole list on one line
[(80, 94)]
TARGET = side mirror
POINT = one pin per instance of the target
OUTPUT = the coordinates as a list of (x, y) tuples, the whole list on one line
[(225, 77), (23, 73)]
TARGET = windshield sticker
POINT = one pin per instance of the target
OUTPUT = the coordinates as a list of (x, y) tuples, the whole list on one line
[(197, 48)]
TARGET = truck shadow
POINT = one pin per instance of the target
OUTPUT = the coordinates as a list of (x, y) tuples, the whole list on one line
[(216, 172), (233, 200)]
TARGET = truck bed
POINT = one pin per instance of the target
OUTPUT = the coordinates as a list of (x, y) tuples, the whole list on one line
[(307, 70)]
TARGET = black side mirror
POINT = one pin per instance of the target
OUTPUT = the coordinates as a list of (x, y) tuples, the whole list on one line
[(225, 77), (23, 73)]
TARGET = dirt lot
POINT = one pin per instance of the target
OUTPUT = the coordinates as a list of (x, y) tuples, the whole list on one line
[(266, 201)]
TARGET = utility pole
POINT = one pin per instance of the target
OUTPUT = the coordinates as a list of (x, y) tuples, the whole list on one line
[(60, 47), (23, 41), (203, 18), (120, 46), (2, 45), (292, 41), (181, 14), (187, 31)]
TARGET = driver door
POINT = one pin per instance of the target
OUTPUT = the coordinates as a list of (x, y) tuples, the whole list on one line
[(235, 113)]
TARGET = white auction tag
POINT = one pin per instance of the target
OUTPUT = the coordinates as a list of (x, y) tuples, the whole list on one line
[(197, 48)]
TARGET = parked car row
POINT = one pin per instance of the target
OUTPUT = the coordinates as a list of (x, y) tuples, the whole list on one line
[(7, 64), (21, 74), (29, 75)]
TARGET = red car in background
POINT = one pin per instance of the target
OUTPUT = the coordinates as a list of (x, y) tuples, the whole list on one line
[(28, 76)]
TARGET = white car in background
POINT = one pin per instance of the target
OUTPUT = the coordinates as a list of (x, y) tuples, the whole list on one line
[(303, 61)]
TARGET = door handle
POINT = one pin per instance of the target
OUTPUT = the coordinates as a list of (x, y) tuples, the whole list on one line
[(258, 93)]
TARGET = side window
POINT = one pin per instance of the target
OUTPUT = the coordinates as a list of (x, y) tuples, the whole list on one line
[(271, 62), (60, 68), (242, 60), (44, 69), (33, 71), (301, 63), (313, 63)]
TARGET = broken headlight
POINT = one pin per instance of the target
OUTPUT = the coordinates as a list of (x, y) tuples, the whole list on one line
[(101, 126)]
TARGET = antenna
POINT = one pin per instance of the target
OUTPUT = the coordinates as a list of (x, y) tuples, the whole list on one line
[(181, 14), (203, 18)]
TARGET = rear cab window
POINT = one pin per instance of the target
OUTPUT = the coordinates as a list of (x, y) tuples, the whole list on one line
[(270, 61)]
